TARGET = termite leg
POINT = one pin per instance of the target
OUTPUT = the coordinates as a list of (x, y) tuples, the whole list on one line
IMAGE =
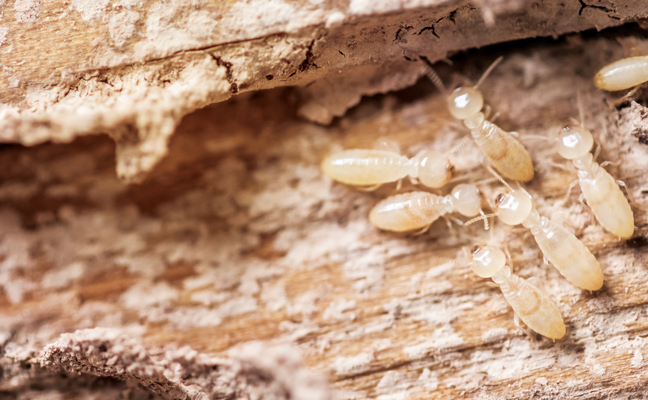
[(629, 194), (453, 219), (561, 166), (525, 233), (400, 183), (581, 199), (597, 151), (370, 188), (616, 103), (450, 227), (388, 145), (422, 231), (509, 259), (537, 283), (522, 326), (606, 163), (571, 186), (487, 112)]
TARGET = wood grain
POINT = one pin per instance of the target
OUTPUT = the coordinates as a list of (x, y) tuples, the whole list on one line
[(236, 236)]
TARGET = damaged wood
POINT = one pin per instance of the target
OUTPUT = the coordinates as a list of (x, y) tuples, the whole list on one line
[(122, 60), (234, 268)]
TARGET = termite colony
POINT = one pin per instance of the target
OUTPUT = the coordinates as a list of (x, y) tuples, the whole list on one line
[(506, 159)]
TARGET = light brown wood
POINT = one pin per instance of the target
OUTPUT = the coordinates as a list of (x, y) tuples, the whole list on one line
[(236, 237), (134, 68)]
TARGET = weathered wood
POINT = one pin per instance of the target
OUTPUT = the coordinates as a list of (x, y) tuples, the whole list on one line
[(133, 69), (236, 236)]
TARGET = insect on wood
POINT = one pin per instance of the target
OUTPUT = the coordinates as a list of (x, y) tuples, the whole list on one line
[(367, 167), (603, 195), (506, 154), (416, 210), (531, 304), (623, 74), (568, 254)]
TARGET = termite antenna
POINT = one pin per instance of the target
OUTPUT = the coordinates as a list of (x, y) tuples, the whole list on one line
[(486, 225), (499, 178), (579, 104), (462, 143), (468, 176), (432, 75), (538, 137), (489, 70), (485, 181), (480, 218)]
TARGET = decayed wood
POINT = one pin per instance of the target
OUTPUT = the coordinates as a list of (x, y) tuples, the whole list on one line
[(237, 237), (134, 68)]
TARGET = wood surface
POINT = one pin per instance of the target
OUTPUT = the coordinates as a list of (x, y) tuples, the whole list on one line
[(235, 269), (133, 68)]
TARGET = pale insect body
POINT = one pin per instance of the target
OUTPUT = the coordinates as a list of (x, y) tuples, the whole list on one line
[(532, 305), (416, 210), (374, 167), (603, 195), (623, 74), (568, 254), (503, 151)]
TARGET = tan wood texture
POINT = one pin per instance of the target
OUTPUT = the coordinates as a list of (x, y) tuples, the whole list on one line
[(236, 237), (134, 68)]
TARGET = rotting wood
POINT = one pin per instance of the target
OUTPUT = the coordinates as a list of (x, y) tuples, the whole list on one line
[(237, 236), (133, 69)]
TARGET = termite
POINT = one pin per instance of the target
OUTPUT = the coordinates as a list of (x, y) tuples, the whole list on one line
[(568, 254), (623, 74), (603, 195), (415, 210), (530, 304), (503, 151), (361, 167)]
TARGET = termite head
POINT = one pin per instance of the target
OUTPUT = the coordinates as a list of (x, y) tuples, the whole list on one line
[(464, 102), (466, 199), (513, 207), (574, 142), (433, 169), (487, 261)]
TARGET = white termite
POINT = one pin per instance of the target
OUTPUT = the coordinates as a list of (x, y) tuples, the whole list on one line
[(623, 74), (506, 154), (416, 210), (368, 167), (568, 254), (530, 304), (603, 195)]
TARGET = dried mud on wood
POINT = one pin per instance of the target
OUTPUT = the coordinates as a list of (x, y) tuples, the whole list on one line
[(236, 237)]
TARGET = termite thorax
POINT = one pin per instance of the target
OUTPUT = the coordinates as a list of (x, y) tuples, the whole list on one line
[(584, 162), (446, 206), (532, 219), (586, 165), (503, 275), (474, 121)]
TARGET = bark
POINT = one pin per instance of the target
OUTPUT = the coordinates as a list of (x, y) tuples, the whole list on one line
[(235, 269)]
